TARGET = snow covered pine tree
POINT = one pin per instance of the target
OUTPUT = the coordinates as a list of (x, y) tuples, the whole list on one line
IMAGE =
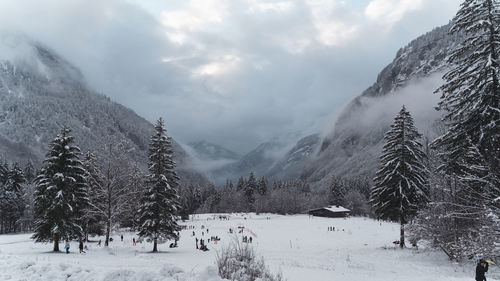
[(12, 203), (470, 149), (159, 204), (60, 195), (337, 191), (250, 189), (400, 185)]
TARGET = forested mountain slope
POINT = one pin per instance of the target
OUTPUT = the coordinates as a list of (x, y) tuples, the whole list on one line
[(353, 145), (40, 91)]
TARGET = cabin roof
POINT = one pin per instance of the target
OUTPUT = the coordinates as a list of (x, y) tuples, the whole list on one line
[(333, 209)]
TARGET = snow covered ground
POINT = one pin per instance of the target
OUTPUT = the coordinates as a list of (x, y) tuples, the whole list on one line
[(299, 246)]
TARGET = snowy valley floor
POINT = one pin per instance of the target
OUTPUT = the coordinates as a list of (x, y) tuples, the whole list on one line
[(298, 246)]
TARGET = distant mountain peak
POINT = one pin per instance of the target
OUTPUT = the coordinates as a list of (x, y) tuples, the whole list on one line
[(209, 151)]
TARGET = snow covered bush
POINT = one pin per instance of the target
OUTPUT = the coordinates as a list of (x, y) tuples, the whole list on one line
[(238, 261)]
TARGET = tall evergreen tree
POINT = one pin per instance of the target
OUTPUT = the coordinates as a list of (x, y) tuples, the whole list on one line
[(16, 178), (60, 195), (4, 172), (470, 148), (241, 184), (262, 186), (29, 172), (471, 99), (12, 204), (337, 191), (159, 205), (15, 195), (400, 185), (229, 184), (250, 189)]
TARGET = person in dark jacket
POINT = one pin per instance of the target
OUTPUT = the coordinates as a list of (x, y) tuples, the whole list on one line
[(481, 269), (80, 246), (66, 246)]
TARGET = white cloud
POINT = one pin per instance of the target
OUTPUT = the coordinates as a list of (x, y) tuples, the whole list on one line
[(223, 65), (263, 7), (391, 11), (196, 15), (335, 24), (236, 72)]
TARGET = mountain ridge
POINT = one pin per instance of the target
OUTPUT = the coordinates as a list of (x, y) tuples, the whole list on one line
[(41, 91)]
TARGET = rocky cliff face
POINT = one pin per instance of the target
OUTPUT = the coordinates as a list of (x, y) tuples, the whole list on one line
[(353, 146), (295, 161), (40, 92)]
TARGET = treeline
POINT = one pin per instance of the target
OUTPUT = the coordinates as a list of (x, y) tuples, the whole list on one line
[(261, 195)]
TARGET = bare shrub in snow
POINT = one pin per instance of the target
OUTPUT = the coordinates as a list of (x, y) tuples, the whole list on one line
[(238, 261)]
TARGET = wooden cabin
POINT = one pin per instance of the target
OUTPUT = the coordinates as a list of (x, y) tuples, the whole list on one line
[(330, 212)]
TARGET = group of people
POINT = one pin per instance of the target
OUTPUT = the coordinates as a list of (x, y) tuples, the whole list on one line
[(214, 238), (247, 239), (203, 246), (332, 228), (173, 245), (81, 247), (202, 233)]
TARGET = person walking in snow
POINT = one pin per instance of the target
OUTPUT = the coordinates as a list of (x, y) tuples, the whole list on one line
[(481, 269), (133, 241), (121, 237), (99, 243), (67, 246), (196, 243)]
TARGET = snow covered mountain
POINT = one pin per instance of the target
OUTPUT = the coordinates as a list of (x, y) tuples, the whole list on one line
[(209, 151), (295, 160), (40, 92), (260, 160), (353, 146)]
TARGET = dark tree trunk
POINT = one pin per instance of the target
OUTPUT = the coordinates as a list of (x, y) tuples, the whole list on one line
[(56, 244), (108, 212), (86, 234), (402, 236), (155, 246), (108, 230)]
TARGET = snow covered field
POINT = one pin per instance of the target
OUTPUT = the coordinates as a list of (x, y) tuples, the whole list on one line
[(299, 246)]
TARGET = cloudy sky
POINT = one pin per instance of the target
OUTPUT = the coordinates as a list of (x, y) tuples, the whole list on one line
[(233, 72)]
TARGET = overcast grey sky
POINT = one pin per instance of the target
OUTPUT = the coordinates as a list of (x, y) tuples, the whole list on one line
[(232, 72)]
